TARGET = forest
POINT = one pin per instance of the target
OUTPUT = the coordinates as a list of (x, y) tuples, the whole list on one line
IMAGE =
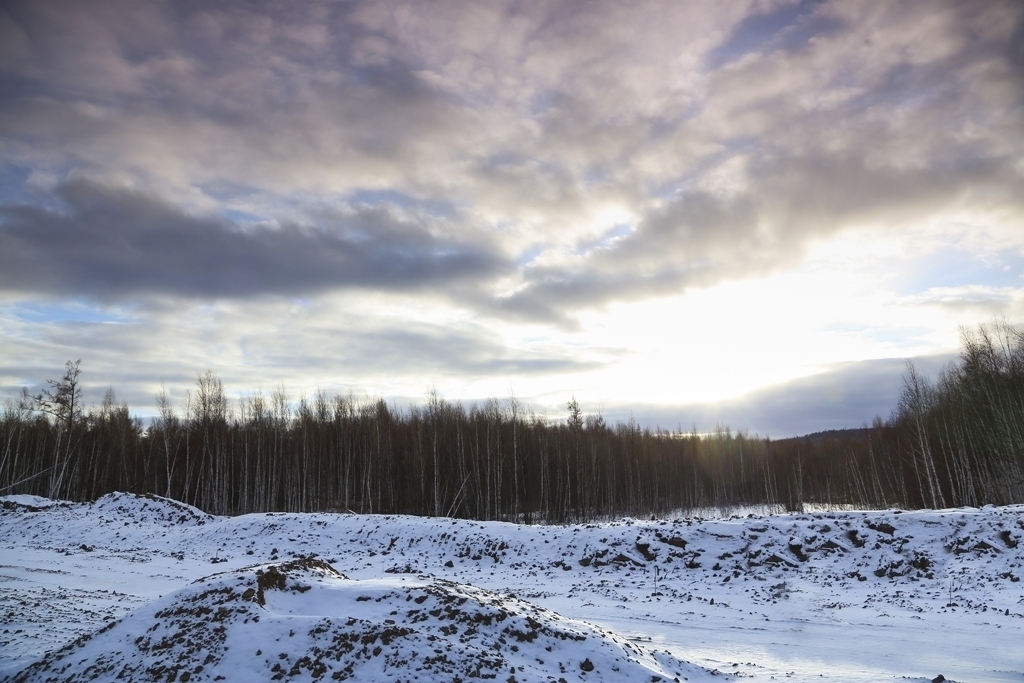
[(957, 441)]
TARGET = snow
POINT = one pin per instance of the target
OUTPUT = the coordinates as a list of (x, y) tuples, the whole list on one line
[(30, 501), (847, 596)]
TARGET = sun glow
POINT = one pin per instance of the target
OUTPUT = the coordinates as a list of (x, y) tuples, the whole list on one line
[(723, 341)]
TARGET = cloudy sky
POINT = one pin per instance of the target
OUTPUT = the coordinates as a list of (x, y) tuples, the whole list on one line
[(691, 211)]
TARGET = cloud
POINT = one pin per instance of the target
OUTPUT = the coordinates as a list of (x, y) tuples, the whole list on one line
[(469, 190), (217, 94), (110, 243), (335, 342), (699, 237), (730, 137), (979, 300), (846, 395)]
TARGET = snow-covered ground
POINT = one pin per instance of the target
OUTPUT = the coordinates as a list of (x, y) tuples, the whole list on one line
[(847, 596)]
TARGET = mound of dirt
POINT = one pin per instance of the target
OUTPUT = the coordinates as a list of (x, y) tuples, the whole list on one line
[(304, 619), (147, 509), (28, 503)]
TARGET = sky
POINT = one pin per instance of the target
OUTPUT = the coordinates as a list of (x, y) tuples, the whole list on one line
[(684, 212)]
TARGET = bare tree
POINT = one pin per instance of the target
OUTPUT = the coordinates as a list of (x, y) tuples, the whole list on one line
[(166, 424), (62, 400), (514, 408)]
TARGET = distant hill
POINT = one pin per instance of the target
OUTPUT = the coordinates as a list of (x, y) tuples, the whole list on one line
[(859, 434)]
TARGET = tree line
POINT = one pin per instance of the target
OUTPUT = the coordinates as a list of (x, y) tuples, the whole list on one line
[(959, 441)]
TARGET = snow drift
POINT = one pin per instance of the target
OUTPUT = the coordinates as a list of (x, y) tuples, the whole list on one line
[(305, 619)]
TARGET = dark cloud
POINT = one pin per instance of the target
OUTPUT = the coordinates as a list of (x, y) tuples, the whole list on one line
[(114, 243), (849, 395)]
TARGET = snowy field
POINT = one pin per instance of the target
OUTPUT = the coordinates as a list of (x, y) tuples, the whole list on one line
[(150, 589)]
